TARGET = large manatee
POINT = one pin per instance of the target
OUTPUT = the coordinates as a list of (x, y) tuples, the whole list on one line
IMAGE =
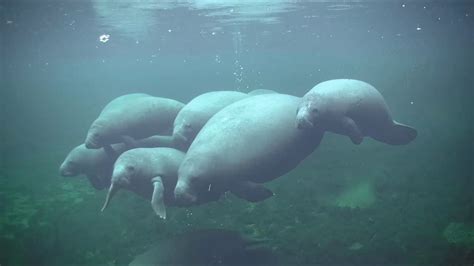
[(353, 108), (251, 140), (198, 111), (132, 116)]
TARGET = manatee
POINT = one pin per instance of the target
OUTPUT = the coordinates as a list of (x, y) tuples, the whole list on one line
[(252, 140), (353, 108), (260, 91), (97, 164), (149, 172), (152, 173), (198, 111), (208, 247), (132, 116)]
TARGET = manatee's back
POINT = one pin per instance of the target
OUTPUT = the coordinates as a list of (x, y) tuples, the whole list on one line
[(347, 92), (206, 105), (260, 91), (141, 117), (166, 161), (158, 114), (357, 99), (123, 100), (253, 138)]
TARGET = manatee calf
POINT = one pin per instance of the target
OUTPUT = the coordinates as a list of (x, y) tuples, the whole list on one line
[(252, 140), (132, 116), (149, 172), (97, 164), (198, 111), (352, 108)]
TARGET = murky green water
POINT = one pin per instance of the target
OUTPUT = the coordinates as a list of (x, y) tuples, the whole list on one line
[(370, 204)]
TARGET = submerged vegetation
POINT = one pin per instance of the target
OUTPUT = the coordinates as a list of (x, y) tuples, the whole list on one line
[(382, 218)]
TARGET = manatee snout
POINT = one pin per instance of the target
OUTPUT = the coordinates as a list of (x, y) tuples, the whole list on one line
[(91, 142), (122, 175), (183, 135), (183, 194), (180, 141), (303, 120), (65, 170)]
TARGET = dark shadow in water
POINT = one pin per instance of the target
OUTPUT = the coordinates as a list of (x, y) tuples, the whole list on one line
[(207, 247)]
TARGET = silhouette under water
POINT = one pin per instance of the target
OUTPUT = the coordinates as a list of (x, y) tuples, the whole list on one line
[(207, 247)]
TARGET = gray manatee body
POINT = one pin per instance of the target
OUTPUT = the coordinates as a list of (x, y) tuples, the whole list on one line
[(353, 108), (198, 111), (97, 164), (133, 116), (252, 140), (149, 172)]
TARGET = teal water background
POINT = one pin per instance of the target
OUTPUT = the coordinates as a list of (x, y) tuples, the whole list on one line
[(345, 204)]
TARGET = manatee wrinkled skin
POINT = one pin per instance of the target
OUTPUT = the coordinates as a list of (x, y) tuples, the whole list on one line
[(252, 140), (132, 116), (352, 108)]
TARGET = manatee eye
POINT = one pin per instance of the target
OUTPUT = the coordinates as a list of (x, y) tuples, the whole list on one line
[(96, 135), (130, 168), (314, 111), (187, 126)]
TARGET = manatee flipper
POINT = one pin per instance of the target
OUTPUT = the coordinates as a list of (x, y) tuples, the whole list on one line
[(398, 134), (129, 142), (112, 190), (96, 182), (251, 191), (353, 131), (157, 199)]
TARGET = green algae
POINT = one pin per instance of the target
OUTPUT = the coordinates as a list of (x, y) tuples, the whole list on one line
[(459, 234), (358, 196)]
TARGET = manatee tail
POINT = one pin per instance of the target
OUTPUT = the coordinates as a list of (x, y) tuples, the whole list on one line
[(398, 134), (112, 190)]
